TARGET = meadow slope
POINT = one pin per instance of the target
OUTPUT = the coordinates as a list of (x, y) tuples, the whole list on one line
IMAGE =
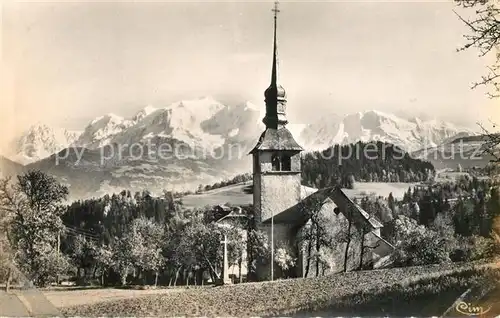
[(297, 296)]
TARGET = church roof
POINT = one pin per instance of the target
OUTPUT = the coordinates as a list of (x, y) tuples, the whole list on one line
[(277, 139), (298, 216)]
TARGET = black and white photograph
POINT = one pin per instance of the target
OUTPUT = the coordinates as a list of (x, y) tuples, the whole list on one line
[(250, 158)]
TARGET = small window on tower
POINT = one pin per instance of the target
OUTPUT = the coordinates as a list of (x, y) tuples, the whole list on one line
[(275, 161), (286, 163)]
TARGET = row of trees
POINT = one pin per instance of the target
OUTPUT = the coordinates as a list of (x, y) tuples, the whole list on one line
[(141, 239), (116, 239), (441, 223)]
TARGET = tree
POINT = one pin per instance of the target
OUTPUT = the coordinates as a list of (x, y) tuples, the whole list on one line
[(391, 202), (104, 258), (493, 211), (418, 245), (427, 210), (285, 260), (484, 35), (122, 258), (463, 218), (350, 181), (146, 239), (315, 233), (236, 248), (346, 236), (364, 249), (81, 254), (34, 204), (258, 247), (7, 267)]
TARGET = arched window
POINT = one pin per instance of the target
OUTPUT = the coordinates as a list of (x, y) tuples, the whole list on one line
[(286, 163), (281, 162), (275, 161)]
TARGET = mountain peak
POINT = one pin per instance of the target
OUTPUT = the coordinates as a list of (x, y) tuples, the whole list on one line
[(409, 134), (40, 141), (146, 111)]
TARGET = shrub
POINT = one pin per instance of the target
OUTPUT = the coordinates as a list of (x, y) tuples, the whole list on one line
[(418, 245), (421, 249), (473, 248)]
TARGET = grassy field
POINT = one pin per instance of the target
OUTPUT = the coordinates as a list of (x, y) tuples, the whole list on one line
[(63, 298), (361, 189), (370, 292), (425, 298), (239, 194)]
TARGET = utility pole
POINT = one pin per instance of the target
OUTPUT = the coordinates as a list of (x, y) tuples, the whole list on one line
[(58, 254), (272, 247)]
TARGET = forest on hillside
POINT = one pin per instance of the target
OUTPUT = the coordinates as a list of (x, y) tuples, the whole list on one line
[(368, 162), (454, 221), (365, 162)]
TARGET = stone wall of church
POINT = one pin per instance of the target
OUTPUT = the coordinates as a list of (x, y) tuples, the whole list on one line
[(283, 236), (257, 197), (274, 191), (278, 193)]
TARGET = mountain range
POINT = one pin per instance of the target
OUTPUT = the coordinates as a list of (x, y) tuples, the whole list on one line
[(195, 141)]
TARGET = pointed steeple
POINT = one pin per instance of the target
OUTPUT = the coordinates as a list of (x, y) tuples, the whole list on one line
[(275, 94)]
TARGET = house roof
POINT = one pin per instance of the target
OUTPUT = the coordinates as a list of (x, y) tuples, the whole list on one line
[(232, 215), (224, 207), (277, 139), (298, 216)]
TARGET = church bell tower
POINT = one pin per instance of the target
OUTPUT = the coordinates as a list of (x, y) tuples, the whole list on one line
[(276, 157)]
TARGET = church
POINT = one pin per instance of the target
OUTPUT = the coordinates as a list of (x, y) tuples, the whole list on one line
[(280, 201)]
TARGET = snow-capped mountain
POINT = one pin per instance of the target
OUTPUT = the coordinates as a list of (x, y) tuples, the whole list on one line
[(201, 123), (207, 141), (40, 141), (102, 130), (409, 134), (181, 121), (208, 124)]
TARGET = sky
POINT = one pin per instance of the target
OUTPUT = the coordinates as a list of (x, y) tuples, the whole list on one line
[(64, 63)]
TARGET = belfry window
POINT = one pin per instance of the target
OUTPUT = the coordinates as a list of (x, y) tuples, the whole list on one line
[(286, 163), (275, 161), (281, 162)]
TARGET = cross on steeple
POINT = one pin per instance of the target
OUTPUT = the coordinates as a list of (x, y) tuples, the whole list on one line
[(275, 94), (276, 9)]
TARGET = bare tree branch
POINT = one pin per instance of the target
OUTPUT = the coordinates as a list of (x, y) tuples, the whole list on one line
[(492, 143), (485, 36)]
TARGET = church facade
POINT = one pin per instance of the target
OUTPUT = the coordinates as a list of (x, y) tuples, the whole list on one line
[(279, 199)]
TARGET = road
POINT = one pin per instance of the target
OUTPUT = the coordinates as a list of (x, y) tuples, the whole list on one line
[(26, 303)]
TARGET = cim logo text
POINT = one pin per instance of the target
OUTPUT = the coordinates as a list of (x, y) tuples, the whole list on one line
[(471, 310)]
